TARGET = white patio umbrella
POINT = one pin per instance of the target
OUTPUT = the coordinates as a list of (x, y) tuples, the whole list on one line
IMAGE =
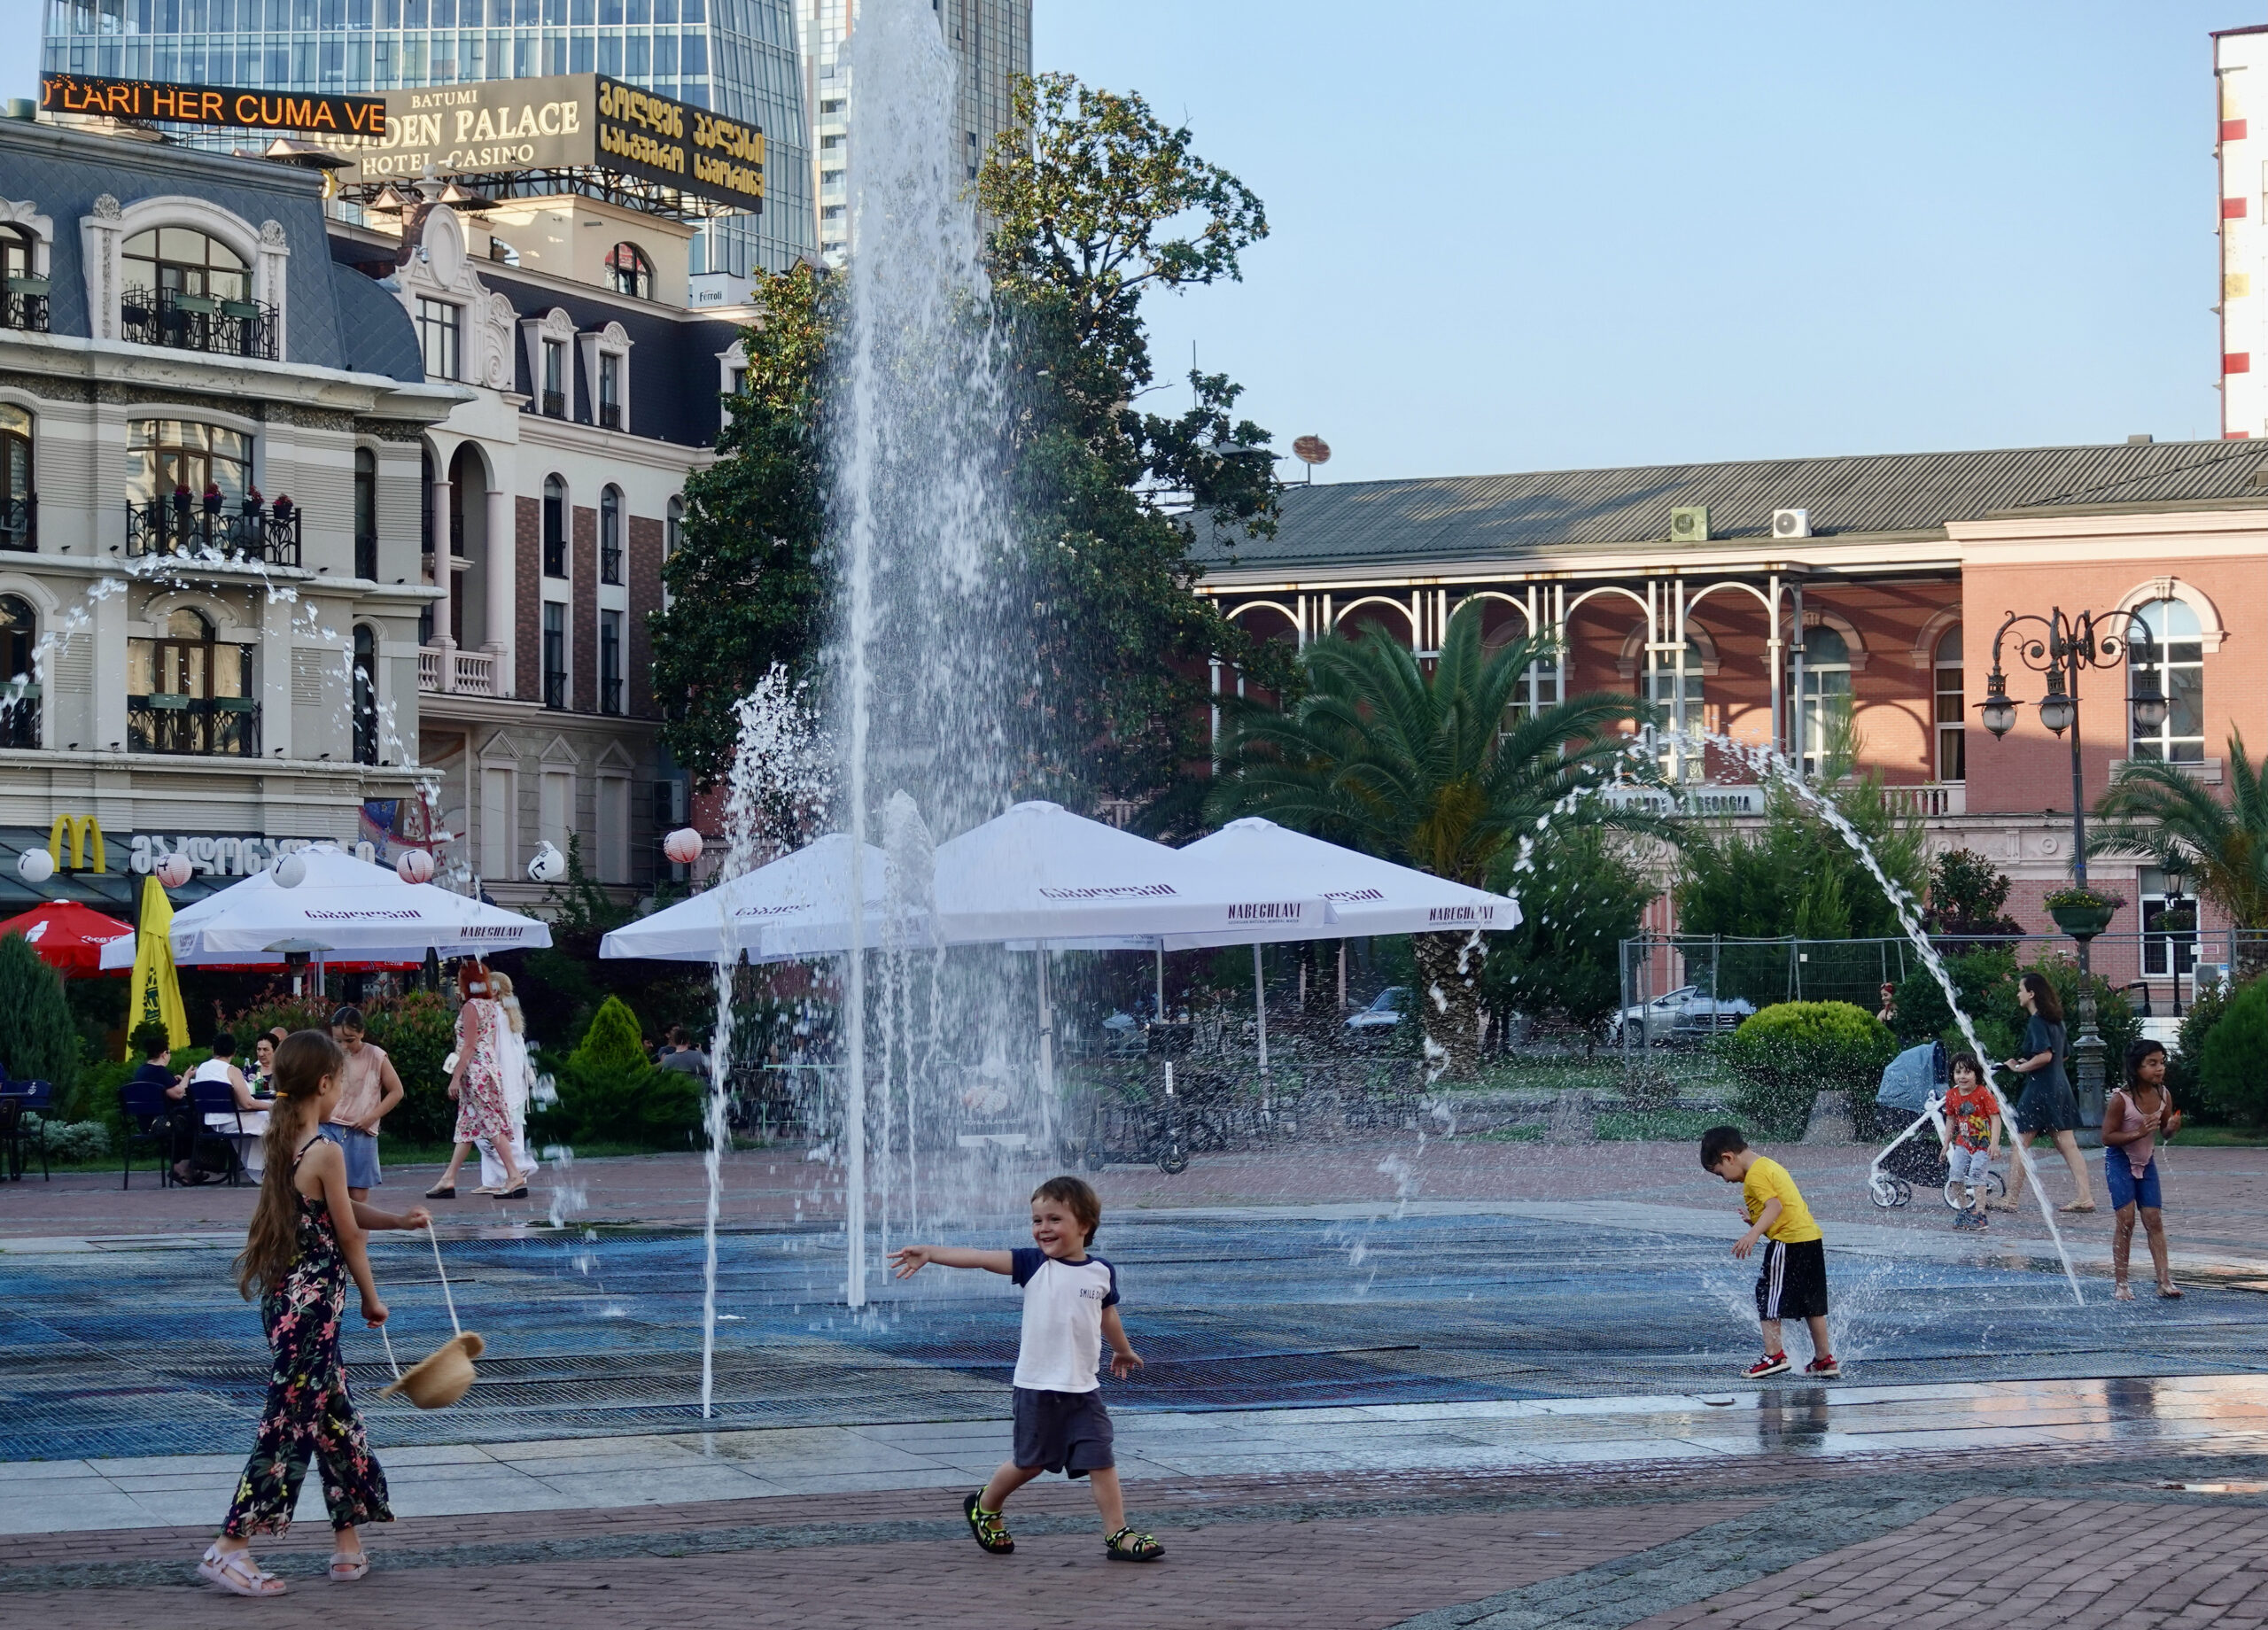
[(764, 912), (354, 909), (1368, 896)]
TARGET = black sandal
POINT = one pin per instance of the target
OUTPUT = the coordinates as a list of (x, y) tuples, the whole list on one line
[(991, 1531), (519, 1193), (1126, 1546), (438, 1192)]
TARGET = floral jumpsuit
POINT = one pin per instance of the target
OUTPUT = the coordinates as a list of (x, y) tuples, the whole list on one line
[(308, 1410)]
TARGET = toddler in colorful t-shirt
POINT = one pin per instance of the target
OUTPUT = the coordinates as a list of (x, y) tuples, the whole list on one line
[(1972, 1112)]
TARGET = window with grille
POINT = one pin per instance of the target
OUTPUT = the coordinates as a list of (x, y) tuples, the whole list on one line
[(2171, 665)]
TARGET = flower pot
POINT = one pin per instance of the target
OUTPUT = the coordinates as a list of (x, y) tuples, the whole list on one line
[(2175, 922), (2082, 922)]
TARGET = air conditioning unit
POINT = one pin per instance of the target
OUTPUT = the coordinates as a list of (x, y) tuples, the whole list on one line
[(1688, 524), (1791, 522)]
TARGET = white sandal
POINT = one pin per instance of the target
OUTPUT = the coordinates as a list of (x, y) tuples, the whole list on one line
[(347, 1566), (236, 1572)]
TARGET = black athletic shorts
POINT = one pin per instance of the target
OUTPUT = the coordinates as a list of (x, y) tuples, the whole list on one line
[(1062, 1431), (1792, 1280)]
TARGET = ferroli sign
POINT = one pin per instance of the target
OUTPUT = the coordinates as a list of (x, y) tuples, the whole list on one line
[(565, 121), (213, 104)]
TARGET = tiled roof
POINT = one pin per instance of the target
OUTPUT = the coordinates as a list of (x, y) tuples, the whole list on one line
[(1463, 517)]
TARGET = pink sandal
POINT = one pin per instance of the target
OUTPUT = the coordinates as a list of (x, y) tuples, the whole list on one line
[(236, 1572)]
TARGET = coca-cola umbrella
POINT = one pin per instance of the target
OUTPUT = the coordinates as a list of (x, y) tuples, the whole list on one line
[(70, 937)]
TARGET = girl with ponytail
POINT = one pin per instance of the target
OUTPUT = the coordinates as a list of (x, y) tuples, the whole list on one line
[(306, 1237)]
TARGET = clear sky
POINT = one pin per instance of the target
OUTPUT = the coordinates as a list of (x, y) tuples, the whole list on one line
[(1511, 235)]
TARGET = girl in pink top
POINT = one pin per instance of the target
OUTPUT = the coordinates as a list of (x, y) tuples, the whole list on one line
[(2136, 1116)]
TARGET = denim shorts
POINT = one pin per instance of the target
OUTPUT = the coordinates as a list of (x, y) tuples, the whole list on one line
[(361, 1151), (2126, 1188)]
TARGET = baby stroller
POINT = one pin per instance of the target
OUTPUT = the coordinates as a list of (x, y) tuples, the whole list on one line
[(1910, 1101)]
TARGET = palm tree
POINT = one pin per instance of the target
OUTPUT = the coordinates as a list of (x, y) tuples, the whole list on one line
[(1429, 769), (2161, 813)]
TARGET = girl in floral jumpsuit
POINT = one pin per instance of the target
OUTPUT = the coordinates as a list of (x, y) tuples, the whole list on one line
[(306, 1237)]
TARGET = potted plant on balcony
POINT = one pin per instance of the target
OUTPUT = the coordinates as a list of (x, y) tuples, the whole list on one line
[(211, 498), (2177, 918), (283, 506), (181, 499), (2082, 911), (252, 500)]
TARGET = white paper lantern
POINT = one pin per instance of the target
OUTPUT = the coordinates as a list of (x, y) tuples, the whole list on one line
[(174, 871), (414, 866), (290, 872), (549, 866), (682, 846), (35, 865)]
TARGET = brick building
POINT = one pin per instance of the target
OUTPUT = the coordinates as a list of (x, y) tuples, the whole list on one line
[(1756, 599)]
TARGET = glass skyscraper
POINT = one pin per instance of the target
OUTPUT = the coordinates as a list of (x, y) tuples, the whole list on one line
[(738, 56)]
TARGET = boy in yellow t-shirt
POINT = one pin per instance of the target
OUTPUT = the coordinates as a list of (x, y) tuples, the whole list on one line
[(1792, 1280)]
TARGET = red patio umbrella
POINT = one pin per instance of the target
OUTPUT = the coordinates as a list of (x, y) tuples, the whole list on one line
[(68, 936)]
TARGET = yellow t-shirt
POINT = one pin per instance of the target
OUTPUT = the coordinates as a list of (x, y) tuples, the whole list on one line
[(1768, 1180)]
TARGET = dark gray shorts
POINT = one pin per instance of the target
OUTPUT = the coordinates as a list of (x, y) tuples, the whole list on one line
[(1062, 1431)]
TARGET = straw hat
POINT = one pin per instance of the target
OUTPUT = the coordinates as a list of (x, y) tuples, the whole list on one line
[(441, 1376)]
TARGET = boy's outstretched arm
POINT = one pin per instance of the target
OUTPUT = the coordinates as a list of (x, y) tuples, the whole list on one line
[(1123, 1358), (912, 1258)]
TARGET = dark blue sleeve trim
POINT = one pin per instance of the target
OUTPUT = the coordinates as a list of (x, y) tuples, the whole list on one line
[(1024, 1261), (1110, 1300)]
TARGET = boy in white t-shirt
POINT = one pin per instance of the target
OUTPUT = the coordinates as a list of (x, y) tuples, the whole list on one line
[(1070, 1308)]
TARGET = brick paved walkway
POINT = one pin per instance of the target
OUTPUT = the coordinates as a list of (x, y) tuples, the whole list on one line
[(2039, 1538)]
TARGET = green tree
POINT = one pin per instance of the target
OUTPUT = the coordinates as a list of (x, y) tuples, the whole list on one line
[(2234, 1066), (1969, 898), (1098, 204), (2161, 813), (1580, 897), (750, 582), (608, 1090), (38, 1041), (1426, 767), (1787, 1054)]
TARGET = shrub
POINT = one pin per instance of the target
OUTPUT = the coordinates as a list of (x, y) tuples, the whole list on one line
[(2234, 1066), (607, 1090), (2184, 1068), (1788, 1053), (39, 1040), (417, 1032), (1924, 1013), (73, 1142)]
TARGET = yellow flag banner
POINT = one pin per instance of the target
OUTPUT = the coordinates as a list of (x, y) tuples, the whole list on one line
[(155, 992)]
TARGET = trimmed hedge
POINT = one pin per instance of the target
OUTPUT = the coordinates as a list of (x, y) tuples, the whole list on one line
[(1788, 1053), (610, 1092), (2232, 1066)]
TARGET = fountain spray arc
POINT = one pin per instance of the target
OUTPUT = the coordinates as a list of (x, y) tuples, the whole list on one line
[(917, 428)]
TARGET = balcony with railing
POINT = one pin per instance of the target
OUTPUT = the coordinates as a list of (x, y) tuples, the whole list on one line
[(366, 557), (443, 669), (179, 526), (206, 322), (19, 524), (1930, 799), (609, 563), (554, 404), (205, 726), (610, 416), (23, 306), (19, 717), (609, 695), (554, 688)]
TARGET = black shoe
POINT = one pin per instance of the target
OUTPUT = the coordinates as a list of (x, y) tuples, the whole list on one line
[(440, 1192)]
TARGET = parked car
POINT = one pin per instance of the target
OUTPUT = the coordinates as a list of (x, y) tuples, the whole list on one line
[(1387, 1009), (1681, 1015)]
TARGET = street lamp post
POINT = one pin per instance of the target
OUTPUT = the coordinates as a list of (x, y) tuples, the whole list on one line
[(2064, 646)]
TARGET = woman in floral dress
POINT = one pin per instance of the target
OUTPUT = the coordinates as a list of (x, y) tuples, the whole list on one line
[(478, 1084), (306, 1237)]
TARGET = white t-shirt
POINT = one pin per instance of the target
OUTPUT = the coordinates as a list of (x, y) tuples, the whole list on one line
[(1063, 1302)]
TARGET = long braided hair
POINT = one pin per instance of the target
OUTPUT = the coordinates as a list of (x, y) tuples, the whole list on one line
[(304, 1061)]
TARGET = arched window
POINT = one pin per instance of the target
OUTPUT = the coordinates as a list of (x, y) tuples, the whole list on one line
[(18, 679), (184, 260), (630, 272), (23, 295), (187, 693), (673, 528), (1824, 700), (1951, 715), (19, 518), (611, 535), (555, 527), (366, 513), (366, 694), (180, 288), (2172, 665)]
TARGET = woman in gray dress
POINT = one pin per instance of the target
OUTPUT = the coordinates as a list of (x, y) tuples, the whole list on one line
[(2047, 1103)]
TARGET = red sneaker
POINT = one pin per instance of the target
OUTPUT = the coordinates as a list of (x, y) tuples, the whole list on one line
[(1770, 1364), (1824, 1369)]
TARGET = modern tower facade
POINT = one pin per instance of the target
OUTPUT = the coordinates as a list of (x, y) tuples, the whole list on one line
[(991, 41), (738, 56)]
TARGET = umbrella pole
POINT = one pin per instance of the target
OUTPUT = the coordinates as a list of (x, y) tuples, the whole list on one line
[(1162, 981), (1260, 1008), (1046, 1036)]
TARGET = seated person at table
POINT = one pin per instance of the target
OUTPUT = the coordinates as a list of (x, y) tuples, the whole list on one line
[(250, 1121)]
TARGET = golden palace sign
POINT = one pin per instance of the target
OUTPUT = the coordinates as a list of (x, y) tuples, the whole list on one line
[(564, 122)]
